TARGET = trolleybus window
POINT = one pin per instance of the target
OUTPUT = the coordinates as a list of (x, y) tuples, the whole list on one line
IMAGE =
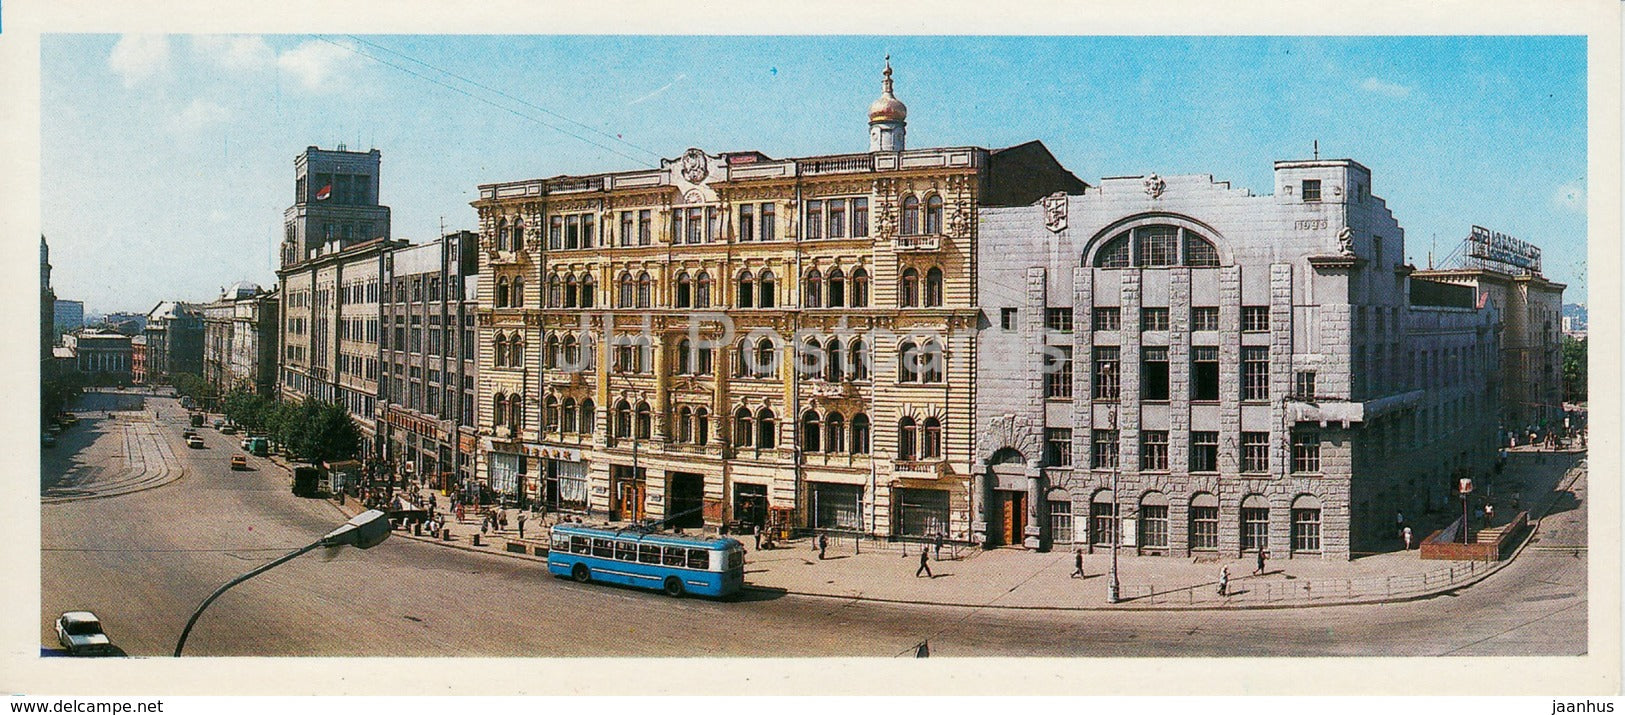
[(578, 544), (561, 543), (674, 555), (626, 551), (648, 554), (603, 548), (736, 559), (699, 559)]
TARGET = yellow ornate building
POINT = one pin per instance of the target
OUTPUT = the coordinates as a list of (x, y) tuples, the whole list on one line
[(737, 339)]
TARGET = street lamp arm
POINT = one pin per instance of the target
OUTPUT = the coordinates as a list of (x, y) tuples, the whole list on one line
[(180, 644)]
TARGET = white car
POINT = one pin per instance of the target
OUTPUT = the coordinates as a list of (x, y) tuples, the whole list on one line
[(80, 632)]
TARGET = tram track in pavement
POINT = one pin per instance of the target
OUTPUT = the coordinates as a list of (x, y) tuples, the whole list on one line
[(145, 461)]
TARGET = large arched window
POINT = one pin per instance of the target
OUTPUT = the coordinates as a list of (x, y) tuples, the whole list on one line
[(550, 414), (766, 429), (860, 288), (685, 357), (931, 444), (1157, 246), (589, 291), (811, 432), (702, 290), (572, 354), (572, 292), (766, 358), (908, 289), (645, 289), (516, 413), (499, 350), (746, 290), (550, 359), (589, 417), (627, 291), (837, 288), (645, 421), (502, 291), (744, 428), (702, 426), (517, 298), (685, 424), (834, 360), (623, 419), (860, 434), (685, 290), (567, 416), (933, 215), (516, 237), (502, 234), (813, 290), (859, 359), (499, 410), (907, 439), (516, 351), (766, 295), (834, 433), (933, 288), (931, 362), (911, 216)]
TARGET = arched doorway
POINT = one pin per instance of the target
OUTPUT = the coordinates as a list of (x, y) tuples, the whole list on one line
[(1007, 515)]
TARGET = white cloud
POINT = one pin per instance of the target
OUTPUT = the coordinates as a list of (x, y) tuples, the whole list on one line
[(318, 65), (199, 114), (138, 57), (1571, 195), (236, 52), (1384, 87)]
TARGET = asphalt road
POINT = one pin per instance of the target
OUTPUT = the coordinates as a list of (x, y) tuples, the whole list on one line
[(143, 558)]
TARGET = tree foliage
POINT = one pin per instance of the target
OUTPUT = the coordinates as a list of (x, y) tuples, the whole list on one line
[(1574, 370), (194, 387), (58, 387), (311, 430)]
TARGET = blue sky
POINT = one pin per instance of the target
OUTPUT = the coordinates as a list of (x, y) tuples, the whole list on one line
[(168, 160)]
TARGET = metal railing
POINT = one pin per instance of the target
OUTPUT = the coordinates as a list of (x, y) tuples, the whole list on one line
[(1251, 591)]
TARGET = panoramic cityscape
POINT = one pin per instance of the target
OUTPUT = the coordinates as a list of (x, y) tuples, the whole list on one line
[(996, 373)]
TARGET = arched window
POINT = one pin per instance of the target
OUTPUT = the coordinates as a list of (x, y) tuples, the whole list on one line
[(589, 290), (1157, 246), (551, 359), (567, 416), (766, 429), (911, 216), (765, 293), (685, 357), (499, 410), (572, 354), (933, 215), (502, 292), (813, 290), (518, 295), (931, 362), (908, 289), (747, 289), (859, 359), (744, 428), (811, 432), (931, 445), (908, 362), (834, 360), (702, 290), (834, 433), (550, 414), (627, 291), (516, 413), (907, 437), (516, 351), (516, 238), (623, 419), (933, 288), (685, 424), (645, 421), (860, 288), (572, 293), (1115, 254), (685, 290), (645, 289), (1199, 252), (589, 417), (860, 433), (837, 288), (499, 348), (702, 426), (741, 363), (703, 363), (766, 357)]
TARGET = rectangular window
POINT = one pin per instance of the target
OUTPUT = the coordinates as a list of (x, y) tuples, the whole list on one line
[(1204, 455), (1102, 524), (1311, 189), (747, 222), (1306, 453), (1103, 455), (693, 231), (1204, 373), (626, 551), (837, 218), (674, 556), (1007, 319), (1255, 373), (1255, 528), (648, 553), (815, 219), (1154, 526), (1108, 318), (1154, 374), (603, 548), (1204, 317), (699, 559), (1153, 319), (1108, 374), (1154, 451), (770, 225), (1303, 385), (645, 227), (860, 218), (1159, 245), (1306, 530), (627, 228), (1058, 320), (1255, 319), (1060, 522), (1058, 446), (1204, 528), (1058, 372), (572, 231), (587, 222), (1255, 452)]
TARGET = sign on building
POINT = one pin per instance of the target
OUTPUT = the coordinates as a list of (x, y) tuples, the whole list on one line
[(1497, 251)]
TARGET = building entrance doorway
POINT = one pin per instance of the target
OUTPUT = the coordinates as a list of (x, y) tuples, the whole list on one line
[(685, 500), (1011, 508), (627, 490), (750, 505)]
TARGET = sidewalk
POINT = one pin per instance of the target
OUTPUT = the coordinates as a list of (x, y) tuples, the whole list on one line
[(1017, 578)]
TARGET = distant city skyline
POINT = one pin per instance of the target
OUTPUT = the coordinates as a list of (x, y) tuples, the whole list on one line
[(186, 143)]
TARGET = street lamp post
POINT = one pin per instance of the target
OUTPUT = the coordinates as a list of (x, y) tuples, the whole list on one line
[(1113, 592), (365, 531), (1466, 488)]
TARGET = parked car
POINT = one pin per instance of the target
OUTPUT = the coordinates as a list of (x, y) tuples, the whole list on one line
[(188, 433), (195, 442), (228, 429), (80, 632), (47, 440), (239, 461)]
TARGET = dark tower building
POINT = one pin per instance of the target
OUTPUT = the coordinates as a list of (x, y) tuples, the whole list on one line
[(335, 201)]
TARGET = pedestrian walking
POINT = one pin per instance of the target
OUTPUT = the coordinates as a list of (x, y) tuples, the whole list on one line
[(1489, 514), (823, 545), (1406, 534), (938, 546), (1224, 581), (757, 532), (522, 518), (502, 520), (925, 565), (1077, 564), (1260, 570)]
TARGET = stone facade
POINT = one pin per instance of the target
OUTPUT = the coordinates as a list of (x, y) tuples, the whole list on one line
[(174, 333), (240, 339), (1246, 371)]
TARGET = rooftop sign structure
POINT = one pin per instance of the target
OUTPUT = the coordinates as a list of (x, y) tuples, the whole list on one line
[(1494, 250)]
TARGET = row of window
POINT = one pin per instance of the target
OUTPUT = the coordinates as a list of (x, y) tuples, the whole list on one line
[(1254, 319), (1252, 522), (632, 551), (413, 290), (1202, 456), (1107, 375)]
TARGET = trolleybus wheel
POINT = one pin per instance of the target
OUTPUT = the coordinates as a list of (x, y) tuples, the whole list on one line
[(580, 573), (674, 587)]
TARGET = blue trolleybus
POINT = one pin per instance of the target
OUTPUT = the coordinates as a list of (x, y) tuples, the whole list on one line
[(676, 564)]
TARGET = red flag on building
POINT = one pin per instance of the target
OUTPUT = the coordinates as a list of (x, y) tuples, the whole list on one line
[(1483, 297), (324, 192)]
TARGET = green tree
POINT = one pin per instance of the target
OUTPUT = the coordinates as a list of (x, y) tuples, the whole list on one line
[(1574, 370), (314, 431), (247, 408)]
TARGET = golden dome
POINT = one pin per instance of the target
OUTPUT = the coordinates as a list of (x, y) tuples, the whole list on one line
[(888, 108)]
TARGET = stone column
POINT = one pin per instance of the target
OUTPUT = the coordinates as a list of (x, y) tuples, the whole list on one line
[(981, 493), (1033, 534)]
